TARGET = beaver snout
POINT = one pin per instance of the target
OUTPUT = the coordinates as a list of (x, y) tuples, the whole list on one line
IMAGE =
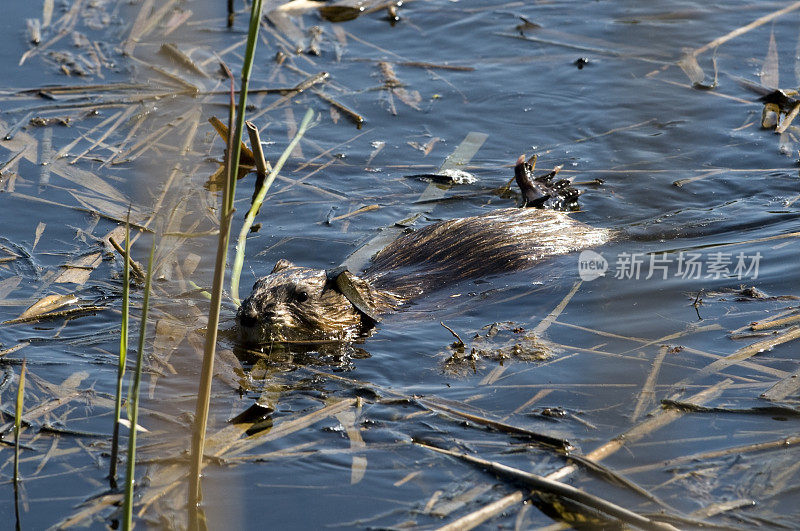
[(247, 317)]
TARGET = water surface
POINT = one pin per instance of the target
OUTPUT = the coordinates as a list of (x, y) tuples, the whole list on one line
[(629, 117)]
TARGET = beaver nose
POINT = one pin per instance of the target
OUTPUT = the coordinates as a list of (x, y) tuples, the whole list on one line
[(248, 318)]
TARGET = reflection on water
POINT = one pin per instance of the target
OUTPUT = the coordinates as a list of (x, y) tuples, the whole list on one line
[(676, 170)]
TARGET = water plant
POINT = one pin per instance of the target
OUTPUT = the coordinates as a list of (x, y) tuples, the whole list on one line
[(226, 215), (123, 351), (18, 419), (17, 426), (133, 397), (238, 261)]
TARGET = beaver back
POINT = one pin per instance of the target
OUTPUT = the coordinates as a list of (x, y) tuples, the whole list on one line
[(503, 240)]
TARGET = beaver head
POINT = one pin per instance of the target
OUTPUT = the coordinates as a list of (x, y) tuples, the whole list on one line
[(301, 304)]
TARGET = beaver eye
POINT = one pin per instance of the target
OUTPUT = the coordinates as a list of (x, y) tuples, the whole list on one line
[(301, 296)]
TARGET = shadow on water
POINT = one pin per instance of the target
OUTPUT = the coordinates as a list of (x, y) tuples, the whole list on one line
[(697, 306)]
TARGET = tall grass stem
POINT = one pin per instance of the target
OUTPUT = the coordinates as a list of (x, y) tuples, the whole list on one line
[(133, 396), (226, 215), (18, 419), (17, 427), (123, 351)]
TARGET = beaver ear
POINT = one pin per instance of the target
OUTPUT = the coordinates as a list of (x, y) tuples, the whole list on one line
[(282, 264)]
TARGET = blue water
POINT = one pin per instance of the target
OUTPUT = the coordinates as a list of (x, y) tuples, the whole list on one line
[(629, 118)]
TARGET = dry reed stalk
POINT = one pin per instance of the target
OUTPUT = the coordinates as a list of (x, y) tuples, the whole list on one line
[(226, 215)]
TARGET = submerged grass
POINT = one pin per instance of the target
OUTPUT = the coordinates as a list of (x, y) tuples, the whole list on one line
[(226, 214), (123, 352), (133, 396)]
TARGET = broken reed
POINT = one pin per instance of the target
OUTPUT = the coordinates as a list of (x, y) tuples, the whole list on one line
[(123, 350), (238, 260), (226, 213), (133, 397)]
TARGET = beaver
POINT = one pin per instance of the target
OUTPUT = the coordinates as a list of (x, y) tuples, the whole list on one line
[(295, 303)]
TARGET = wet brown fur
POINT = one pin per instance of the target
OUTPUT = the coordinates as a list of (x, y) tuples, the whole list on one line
[(509, 239), (500, 241)]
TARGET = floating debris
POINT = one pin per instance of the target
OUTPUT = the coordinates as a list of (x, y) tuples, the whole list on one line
[(345, 10)]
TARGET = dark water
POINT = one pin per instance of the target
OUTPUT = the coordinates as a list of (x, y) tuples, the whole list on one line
[(629, 117)]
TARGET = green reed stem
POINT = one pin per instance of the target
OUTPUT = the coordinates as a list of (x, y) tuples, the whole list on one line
[(238, 260), (247, 67), (226, 215), (123, 350), (133, 396), (18, 420)]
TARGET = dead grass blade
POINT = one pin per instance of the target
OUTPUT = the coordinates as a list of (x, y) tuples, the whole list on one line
[(485, 513), (352, 115), (55, 315), (552, 316), (647, 395), (553, 442), (788, 386), (787, 121), (780, 444), (246, 157), (119, 118), (769, 74), (172, 51), (746, 28), (145, 22), (552, 487), (741, 355), (349, 419), (78, 271), (48, 304), (659, 419)]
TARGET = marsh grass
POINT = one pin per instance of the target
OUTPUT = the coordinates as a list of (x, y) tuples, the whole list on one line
[(17, 427), (123, 353), (18, 420), (133, 396), (226, 214), (668, 366)]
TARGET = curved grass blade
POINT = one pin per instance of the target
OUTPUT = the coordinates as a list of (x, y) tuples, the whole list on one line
[(238, 260)]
